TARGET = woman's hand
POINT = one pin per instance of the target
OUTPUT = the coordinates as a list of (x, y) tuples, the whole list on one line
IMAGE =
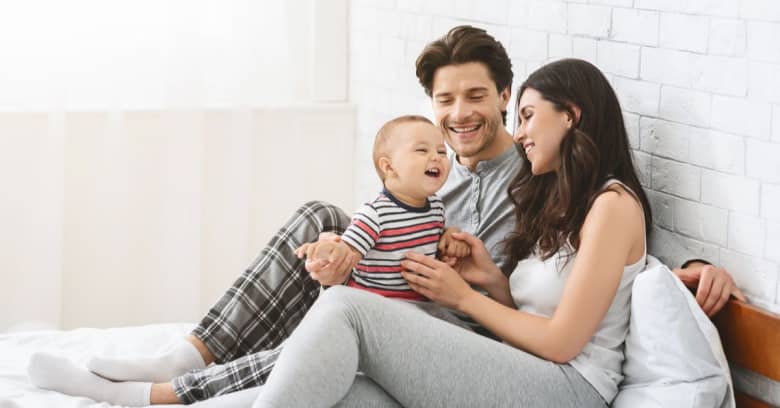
[(436, 280), (478, 268)]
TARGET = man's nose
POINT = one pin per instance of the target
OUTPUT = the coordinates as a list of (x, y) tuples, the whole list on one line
[(461, 110)]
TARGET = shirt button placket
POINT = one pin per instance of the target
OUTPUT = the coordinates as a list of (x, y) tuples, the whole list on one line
[(475, 200)]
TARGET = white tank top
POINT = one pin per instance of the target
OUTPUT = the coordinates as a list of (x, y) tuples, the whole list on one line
[(537, 285)]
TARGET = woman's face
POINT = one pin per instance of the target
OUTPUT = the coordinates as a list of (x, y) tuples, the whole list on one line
[(541, 130)]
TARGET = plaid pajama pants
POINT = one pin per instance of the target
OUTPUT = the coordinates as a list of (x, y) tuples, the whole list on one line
[(246, 327)]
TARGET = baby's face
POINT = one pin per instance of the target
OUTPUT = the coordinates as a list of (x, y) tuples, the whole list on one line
[(419, 157)]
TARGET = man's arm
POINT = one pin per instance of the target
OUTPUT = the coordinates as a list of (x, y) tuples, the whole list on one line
[(713, 284)]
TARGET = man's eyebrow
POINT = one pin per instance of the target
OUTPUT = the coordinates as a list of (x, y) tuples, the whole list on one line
[(469, 90)]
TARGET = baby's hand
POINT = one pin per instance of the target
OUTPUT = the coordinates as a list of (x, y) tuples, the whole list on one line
[(325, 260), (450, 247), (324, 252)]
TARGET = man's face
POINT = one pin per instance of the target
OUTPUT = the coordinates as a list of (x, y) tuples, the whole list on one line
[(468, 106)]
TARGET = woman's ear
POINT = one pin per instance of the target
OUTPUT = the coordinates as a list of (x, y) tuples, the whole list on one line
[(573, 122)]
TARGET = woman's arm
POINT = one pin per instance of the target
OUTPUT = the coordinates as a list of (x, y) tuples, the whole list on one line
[(612, 232)]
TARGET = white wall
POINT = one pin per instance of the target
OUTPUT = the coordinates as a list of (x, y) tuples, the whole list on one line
[(698, 80), (149, 149), (147, 54)]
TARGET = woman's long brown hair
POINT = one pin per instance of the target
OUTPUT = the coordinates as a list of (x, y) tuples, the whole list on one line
[(551, 208)]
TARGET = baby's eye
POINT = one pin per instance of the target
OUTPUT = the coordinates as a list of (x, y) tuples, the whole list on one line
[(421, 150)]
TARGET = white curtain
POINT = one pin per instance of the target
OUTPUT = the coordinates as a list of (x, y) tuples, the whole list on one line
[(148, 149)]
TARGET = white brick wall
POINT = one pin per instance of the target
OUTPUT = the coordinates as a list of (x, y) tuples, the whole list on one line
[(680, 179), (760, 10), (756, 116), (731, 192), (763, 161), (666, 139), (763, 39), (701, 221), (772, 241), (726, 37), (592, 21), (746, 234), (686, 106), (719, 151), (776, 123), (618, 58), (635, 26), (770, 203), (584, 48), (698, 80), (683, 32)]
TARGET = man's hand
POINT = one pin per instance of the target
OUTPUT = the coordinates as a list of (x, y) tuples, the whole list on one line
[(450, 247), (714, 286), (328, 260)]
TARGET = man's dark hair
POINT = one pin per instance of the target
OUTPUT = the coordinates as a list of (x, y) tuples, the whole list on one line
[(461, 45)]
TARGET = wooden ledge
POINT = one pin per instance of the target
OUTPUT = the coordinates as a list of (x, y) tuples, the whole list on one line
[(751, 339)]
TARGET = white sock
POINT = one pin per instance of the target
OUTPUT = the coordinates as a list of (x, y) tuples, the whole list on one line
[(182, 358), (61, 374)]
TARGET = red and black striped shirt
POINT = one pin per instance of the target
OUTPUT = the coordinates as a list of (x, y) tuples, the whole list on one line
[(384, 231)]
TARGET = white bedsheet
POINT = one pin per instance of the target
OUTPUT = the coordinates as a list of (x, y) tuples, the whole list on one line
[(16, 391), (15, 350)]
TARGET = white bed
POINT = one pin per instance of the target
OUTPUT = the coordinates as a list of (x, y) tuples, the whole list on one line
[(15, 350), (673, 354)]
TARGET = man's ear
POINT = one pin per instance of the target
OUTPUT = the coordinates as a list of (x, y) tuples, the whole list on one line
[(503, 97), (385, 166)]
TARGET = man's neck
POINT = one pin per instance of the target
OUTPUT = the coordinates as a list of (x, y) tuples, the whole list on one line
[(502, 142)]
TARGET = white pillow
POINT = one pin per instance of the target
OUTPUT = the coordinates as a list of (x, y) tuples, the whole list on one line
[(674, 357)]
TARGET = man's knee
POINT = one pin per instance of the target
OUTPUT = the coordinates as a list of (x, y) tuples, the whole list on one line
[(316, 206), (330, 217)]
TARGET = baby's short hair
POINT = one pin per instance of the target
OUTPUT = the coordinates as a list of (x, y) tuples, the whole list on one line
[(382, 140)]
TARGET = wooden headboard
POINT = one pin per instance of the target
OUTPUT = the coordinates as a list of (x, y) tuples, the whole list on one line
[(751, 340)]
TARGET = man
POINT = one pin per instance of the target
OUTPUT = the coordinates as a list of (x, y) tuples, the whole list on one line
[(467, 74)]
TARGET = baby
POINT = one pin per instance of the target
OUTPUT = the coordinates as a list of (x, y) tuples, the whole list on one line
[(411, 159)]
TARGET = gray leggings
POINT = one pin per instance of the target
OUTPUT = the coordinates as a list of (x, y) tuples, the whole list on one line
[(417, 359)]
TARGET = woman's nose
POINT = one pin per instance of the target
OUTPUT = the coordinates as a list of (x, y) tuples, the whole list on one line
[(519, 135)]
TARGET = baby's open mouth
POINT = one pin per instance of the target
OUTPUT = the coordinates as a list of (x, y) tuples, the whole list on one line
[(434, 172)]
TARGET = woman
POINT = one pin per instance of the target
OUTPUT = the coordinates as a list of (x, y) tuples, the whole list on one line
[(563, 312)]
